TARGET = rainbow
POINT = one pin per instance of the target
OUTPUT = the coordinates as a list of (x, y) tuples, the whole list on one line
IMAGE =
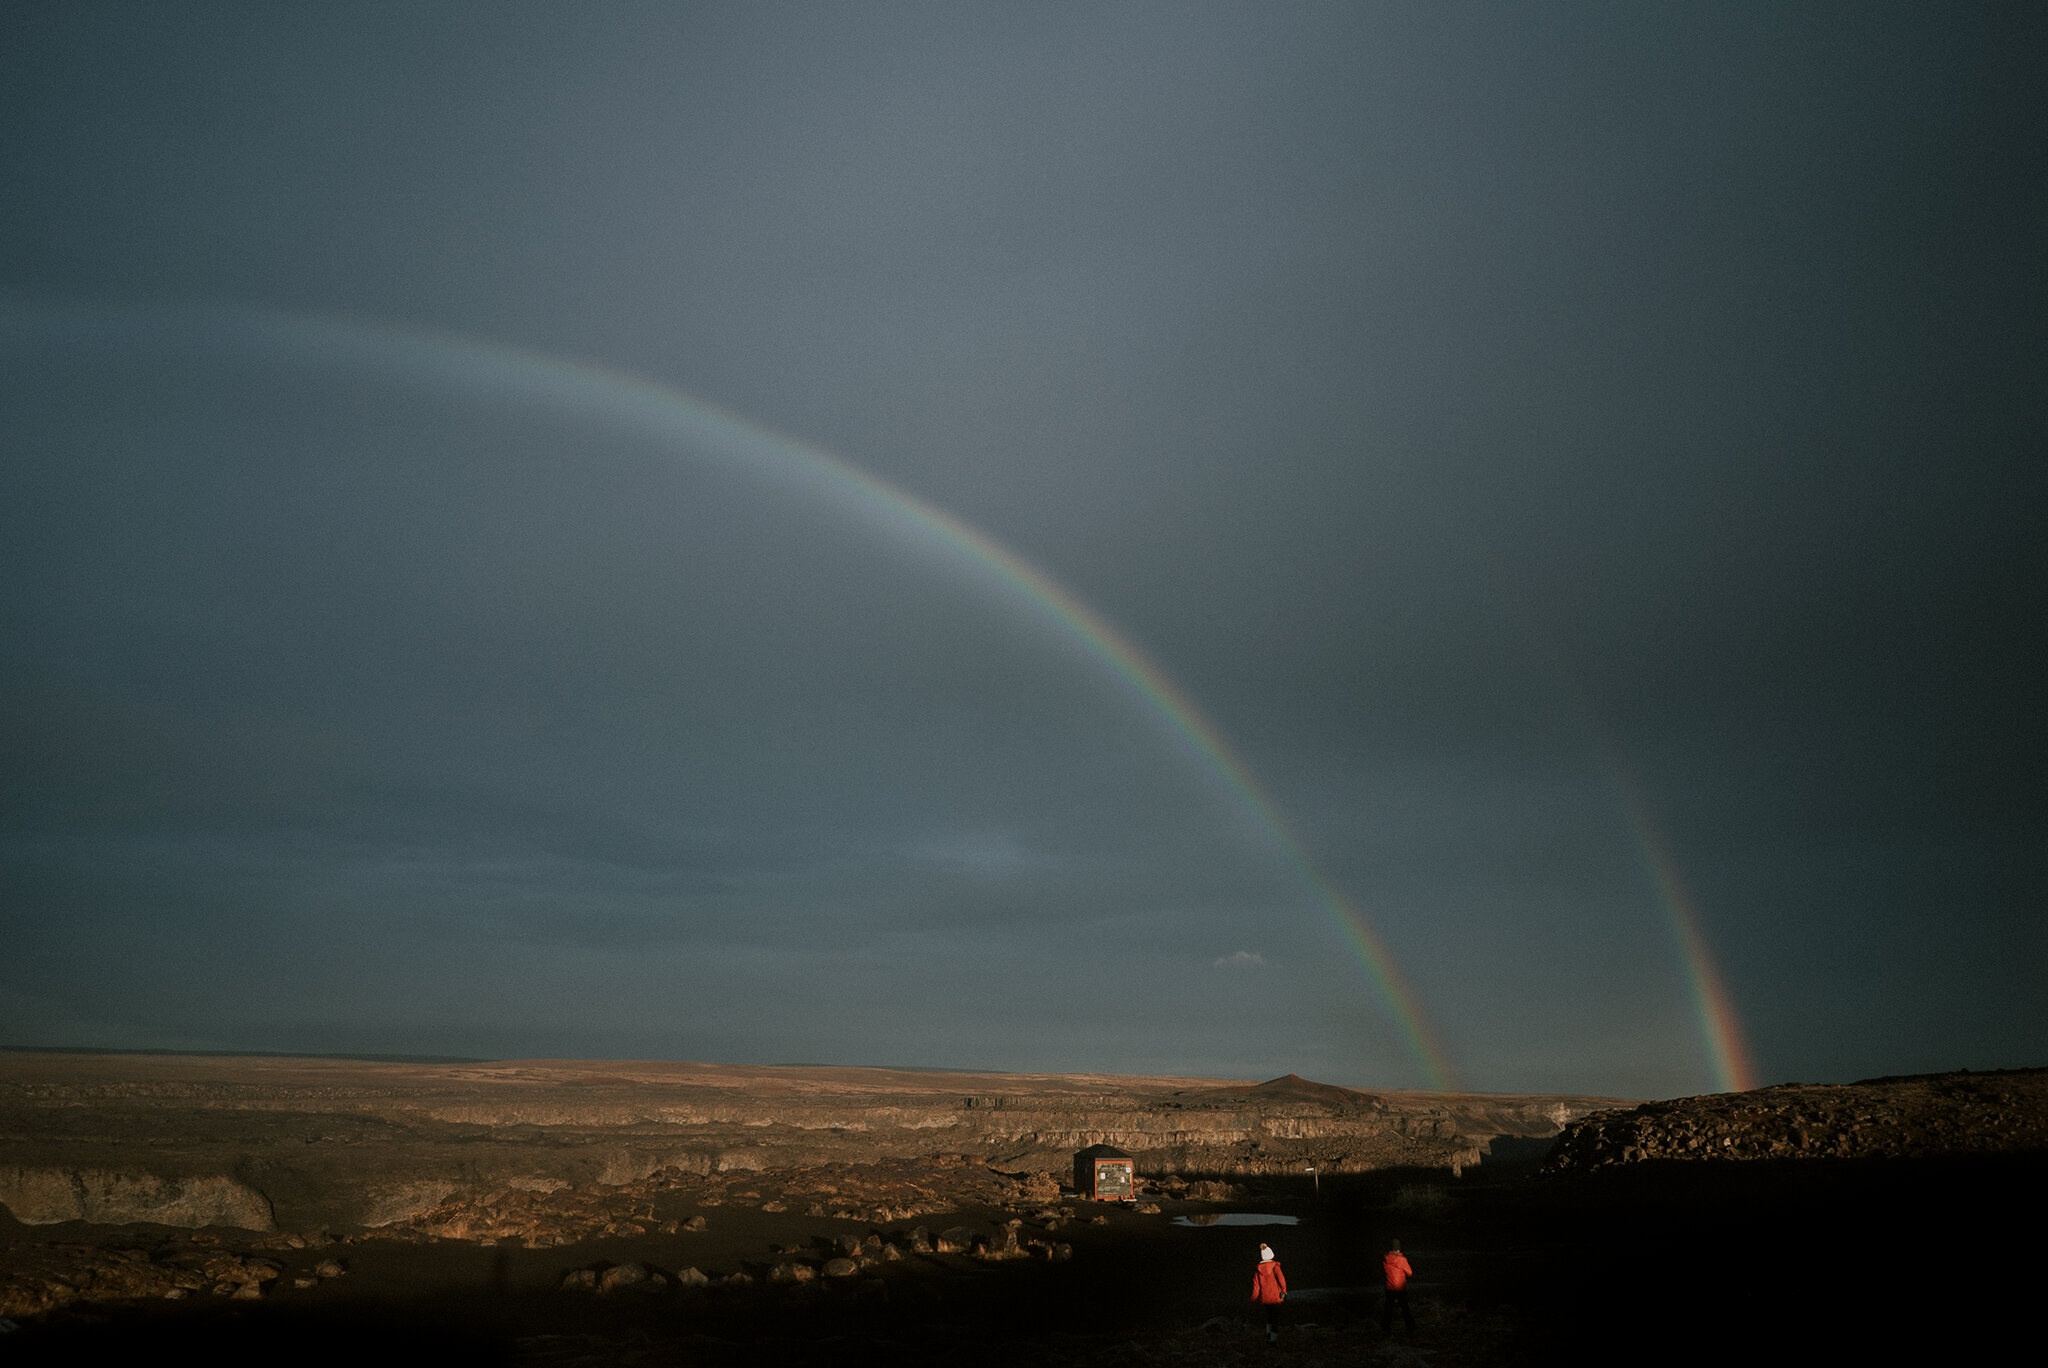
[(1720, 1029), (638, 404)]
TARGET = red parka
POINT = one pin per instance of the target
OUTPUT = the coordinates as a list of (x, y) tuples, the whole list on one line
[(1269, 1284), (1398, 1271)]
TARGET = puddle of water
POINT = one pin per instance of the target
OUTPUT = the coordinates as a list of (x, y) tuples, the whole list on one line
[(1236, 1218)]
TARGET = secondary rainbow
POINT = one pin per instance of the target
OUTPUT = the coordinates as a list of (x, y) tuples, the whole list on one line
[(1720, 1028), (637, 403)]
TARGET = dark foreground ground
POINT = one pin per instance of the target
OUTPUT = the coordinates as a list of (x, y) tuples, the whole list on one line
[(1928, 1260)]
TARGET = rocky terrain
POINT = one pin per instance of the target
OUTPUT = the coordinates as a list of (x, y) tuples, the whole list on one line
[(302, 1184), (572, 1215), (2005, 1112), (557, 1148)]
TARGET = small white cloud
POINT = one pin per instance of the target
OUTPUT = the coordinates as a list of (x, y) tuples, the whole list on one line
[(984, 855), (1243, 959)]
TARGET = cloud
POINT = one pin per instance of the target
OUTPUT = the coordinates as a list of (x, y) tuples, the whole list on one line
[(982, 855), (1243, 959)]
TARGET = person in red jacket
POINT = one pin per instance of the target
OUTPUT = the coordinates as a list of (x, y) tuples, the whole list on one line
[(1398, 1273), (1269, 1289)]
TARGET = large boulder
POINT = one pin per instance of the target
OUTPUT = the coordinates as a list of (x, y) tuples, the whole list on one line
[(45, 1196)]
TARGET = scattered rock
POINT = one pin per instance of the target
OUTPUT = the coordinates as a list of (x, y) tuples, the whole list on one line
[(1002, 1244), (1039, 1186), (619, 1277)]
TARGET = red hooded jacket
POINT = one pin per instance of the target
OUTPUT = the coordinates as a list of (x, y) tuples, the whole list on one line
[(1269, 1284), (1398, 1271)]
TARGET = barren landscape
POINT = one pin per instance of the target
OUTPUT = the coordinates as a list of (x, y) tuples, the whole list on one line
[(1396, 612), (586, 1212), (291, 1143)]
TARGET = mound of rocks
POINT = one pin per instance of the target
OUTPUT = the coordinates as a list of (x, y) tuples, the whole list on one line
[(2004, 1112)]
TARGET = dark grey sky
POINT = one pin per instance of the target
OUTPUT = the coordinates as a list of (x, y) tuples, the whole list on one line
[(1481, 412)]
